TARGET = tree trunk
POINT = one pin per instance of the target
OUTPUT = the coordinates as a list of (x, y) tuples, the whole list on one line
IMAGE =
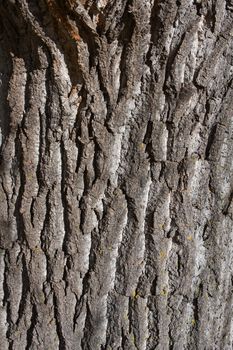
[(116, 174)]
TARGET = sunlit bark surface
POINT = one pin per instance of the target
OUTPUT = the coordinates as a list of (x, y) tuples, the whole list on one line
[(116, 174)]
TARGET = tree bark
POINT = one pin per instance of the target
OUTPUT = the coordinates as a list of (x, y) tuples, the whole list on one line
[(116, 174)]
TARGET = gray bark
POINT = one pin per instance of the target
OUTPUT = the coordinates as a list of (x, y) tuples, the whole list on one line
[(116, 174)]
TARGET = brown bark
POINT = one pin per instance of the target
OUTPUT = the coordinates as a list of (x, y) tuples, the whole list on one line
[(116, 174)]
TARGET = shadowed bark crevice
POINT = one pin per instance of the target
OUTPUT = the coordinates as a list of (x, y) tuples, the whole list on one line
[(30, 331)]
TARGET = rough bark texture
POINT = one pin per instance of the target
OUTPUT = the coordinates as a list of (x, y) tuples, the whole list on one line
[(116, 174)]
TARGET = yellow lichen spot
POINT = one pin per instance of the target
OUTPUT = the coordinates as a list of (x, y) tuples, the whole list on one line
[(133, 338), (142, 146), (161, 226), (163, 292), (41, 298), (162, 254), (17, 333), (29, 177), (193, 322), (101, 251), (190, 238), (135, 295), (37, 249)]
